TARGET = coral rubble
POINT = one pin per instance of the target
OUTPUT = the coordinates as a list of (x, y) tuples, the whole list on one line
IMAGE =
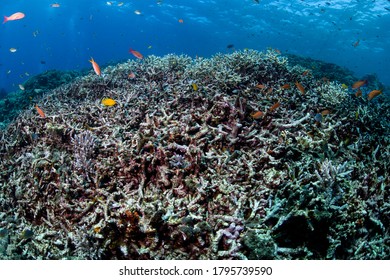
[(174, 171)]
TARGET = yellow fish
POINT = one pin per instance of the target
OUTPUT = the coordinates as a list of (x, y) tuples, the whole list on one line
[(108, 102), (344, 86), (195, 87)]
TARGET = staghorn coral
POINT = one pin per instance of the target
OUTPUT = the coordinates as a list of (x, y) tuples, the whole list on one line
[(174, 173)]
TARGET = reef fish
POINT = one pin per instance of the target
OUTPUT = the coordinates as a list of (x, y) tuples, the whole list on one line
[(300, 87), (136, 54), (359, 84), (108, 102), (358, 93), (27, 234), (286, 86), (14, 16), (274, 107), (194, 87), (257, 115), (96, 67), (374, 93), (40, 111), (318, 118)]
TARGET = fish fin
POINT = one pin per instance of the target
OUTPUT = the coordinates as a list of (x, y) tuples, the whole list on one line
[(5, 19)]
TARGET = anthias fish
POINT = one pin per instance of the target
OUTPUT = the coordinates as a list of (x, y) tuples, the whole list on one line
[(14, 16), (136, 53), (95, 66), (300, 87)]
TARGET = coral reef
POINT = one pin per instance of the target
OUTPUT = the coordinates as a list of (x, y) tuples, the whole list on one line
[(174, 171), (13, 103)]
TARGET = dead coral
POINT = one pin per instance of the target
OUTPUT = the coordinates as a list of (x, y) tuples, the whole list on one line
[(171, 172)]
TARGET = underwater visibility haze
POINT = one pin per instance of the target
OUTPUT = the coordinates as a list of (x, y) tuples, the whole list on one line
[(353, 34), (166, 129)]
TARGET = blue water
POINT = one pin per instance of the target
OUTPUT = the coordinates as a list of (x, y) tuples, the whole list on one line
[(66, 37)]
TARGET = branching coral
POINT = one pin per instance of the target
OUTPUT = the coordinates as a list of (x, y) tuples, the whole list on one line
[(174, 171)]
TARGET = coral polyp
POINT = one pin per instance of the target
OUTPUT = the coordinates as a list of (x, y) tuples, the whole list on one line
[(170, 172)]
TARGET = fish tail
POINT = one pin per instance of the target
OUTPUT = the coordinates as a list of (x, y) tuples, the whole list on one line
[(5, 19)]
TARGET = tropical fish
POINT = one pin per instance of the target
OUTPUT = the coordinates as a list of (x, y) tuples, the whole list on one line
[(318, 117), (344, 86), (257, 115), (131, 75), (96, 67), (275, 106), (358, 93), (14, 16), (305, 72), (359, 84), (120, 4), (325, 112), (55, 5), (3, 232), (13, 50), (374, 93), (136, 53), (286, 86), (356, 43), (108, 102), (27, 234), (194, 87), (40, 112), (137, 12), (260, 86), (181, 20), (300, 87), (21, 87)]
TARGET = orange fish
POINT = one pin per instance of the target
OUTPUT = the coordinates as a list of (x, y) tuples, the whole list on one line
[(356, 43), (359, 84), (286, 86), (40, 112), (14, 16), (257, 115), (181, 20), (259, 86), (96, 67), (306, 72), (374, 93), (131, 75), (275, 106), (325, 112), (358, 93), (300, 87), (136, 54)]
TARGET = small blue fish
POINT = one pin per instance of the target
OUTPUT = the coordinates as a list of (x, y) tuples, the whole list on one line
[(318, 118), (27, 234), (3, 232)]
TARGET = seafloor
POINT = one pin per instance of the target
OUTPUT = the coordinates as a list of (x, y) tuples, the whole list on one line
[(221, 158)]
